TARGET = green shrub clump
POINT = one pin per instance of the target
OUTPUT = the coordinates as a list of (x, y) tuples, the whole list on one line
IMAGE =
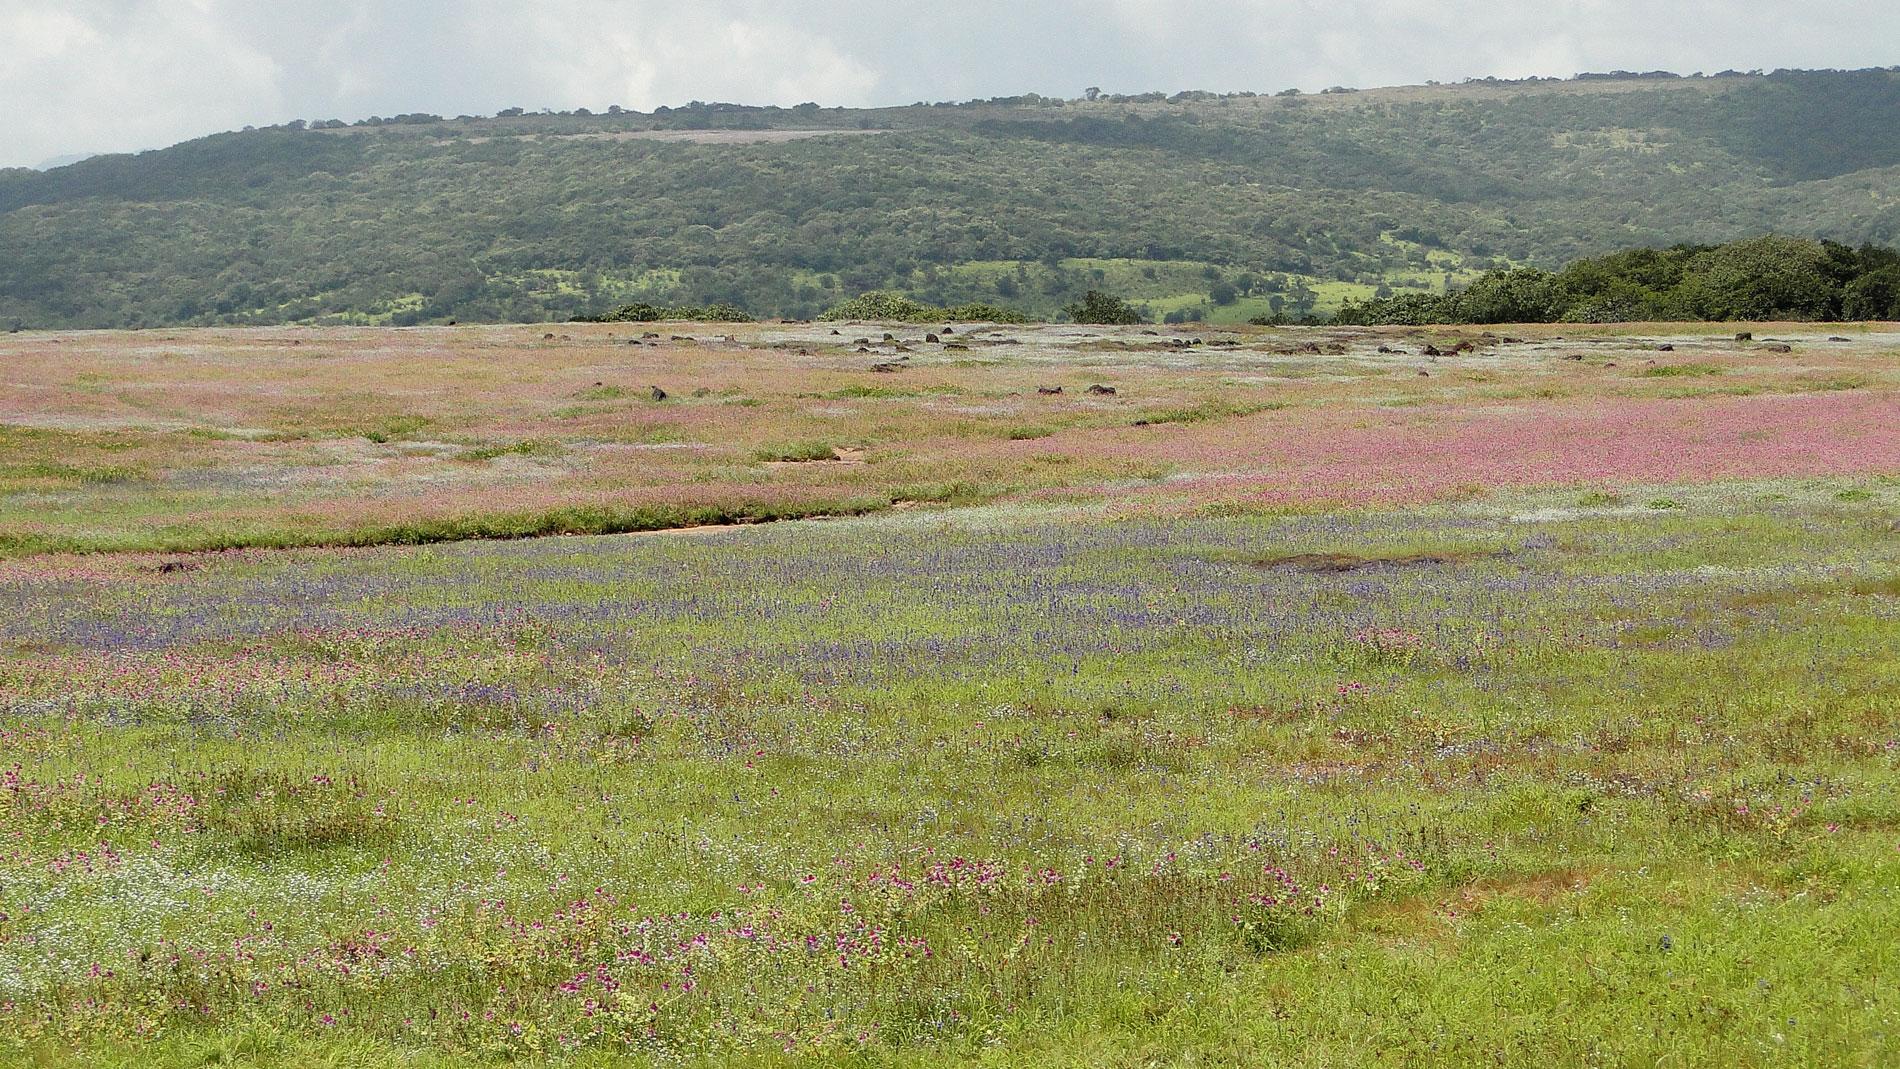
[(642, 312), (882, 306)]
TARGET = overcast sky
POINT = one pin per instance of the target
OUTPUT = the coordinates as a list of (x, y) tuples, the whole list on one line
[(79, 76)]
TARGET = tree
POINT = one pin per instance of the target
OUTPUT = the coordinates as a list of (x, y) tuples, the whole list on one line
[(1524, 295), (1101, 308), (1873, 296), (1763, 278), (1223, 293)]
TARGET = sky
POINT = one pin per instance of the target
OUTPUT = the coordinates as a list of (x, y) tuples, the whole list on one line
[(91, 76)]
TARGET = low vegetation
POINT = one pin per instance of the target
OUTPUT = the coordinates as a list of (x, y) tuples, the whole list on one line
[(1762, 279)]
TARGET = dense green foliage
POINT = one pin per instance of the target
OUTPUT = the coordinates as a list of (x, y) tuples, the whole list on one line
[(646, 312), (1027, 202), (1758, 279), (1098, 307), (896, 308)]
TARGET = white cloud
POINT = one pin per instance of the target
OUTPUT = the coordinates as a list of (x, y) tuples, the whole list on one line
[(112, 75)]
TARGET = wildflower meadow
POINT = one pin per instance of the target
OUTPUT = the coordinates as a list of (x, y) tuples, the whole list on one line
[(1281, 702)]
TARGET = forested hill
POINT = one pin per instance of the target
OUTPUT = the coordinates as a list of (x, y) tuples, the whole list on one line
[(1217, 206)]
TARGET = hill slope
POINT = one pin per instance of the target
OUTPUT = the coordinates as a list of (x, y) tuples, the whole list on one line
[(1025, 202)]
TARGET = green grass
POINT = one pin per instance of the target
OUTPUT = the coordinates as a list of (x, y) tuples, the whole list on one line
[(1672, 371), (1626, 782), (797, 452)]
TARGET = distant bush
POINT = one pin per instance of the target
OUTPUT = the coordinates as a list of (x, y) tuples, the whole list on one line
[(886, 307), (1103, 309), (642, 312), (978, 312)]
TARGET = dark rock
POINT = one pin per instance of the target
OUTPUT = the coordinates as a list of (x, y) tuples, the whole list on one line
[(931, 339), (1049, 390), (656, 393)]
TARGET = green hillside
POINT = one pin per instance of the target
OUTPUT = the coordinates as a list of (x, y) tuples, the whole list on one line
[(1216, 206)]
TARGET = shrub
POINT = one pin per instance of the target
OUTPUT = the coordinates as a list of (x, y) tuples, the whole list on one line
[(884, 307), (888, 307), (1104, 309), (642, 312), (1873, 296)]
